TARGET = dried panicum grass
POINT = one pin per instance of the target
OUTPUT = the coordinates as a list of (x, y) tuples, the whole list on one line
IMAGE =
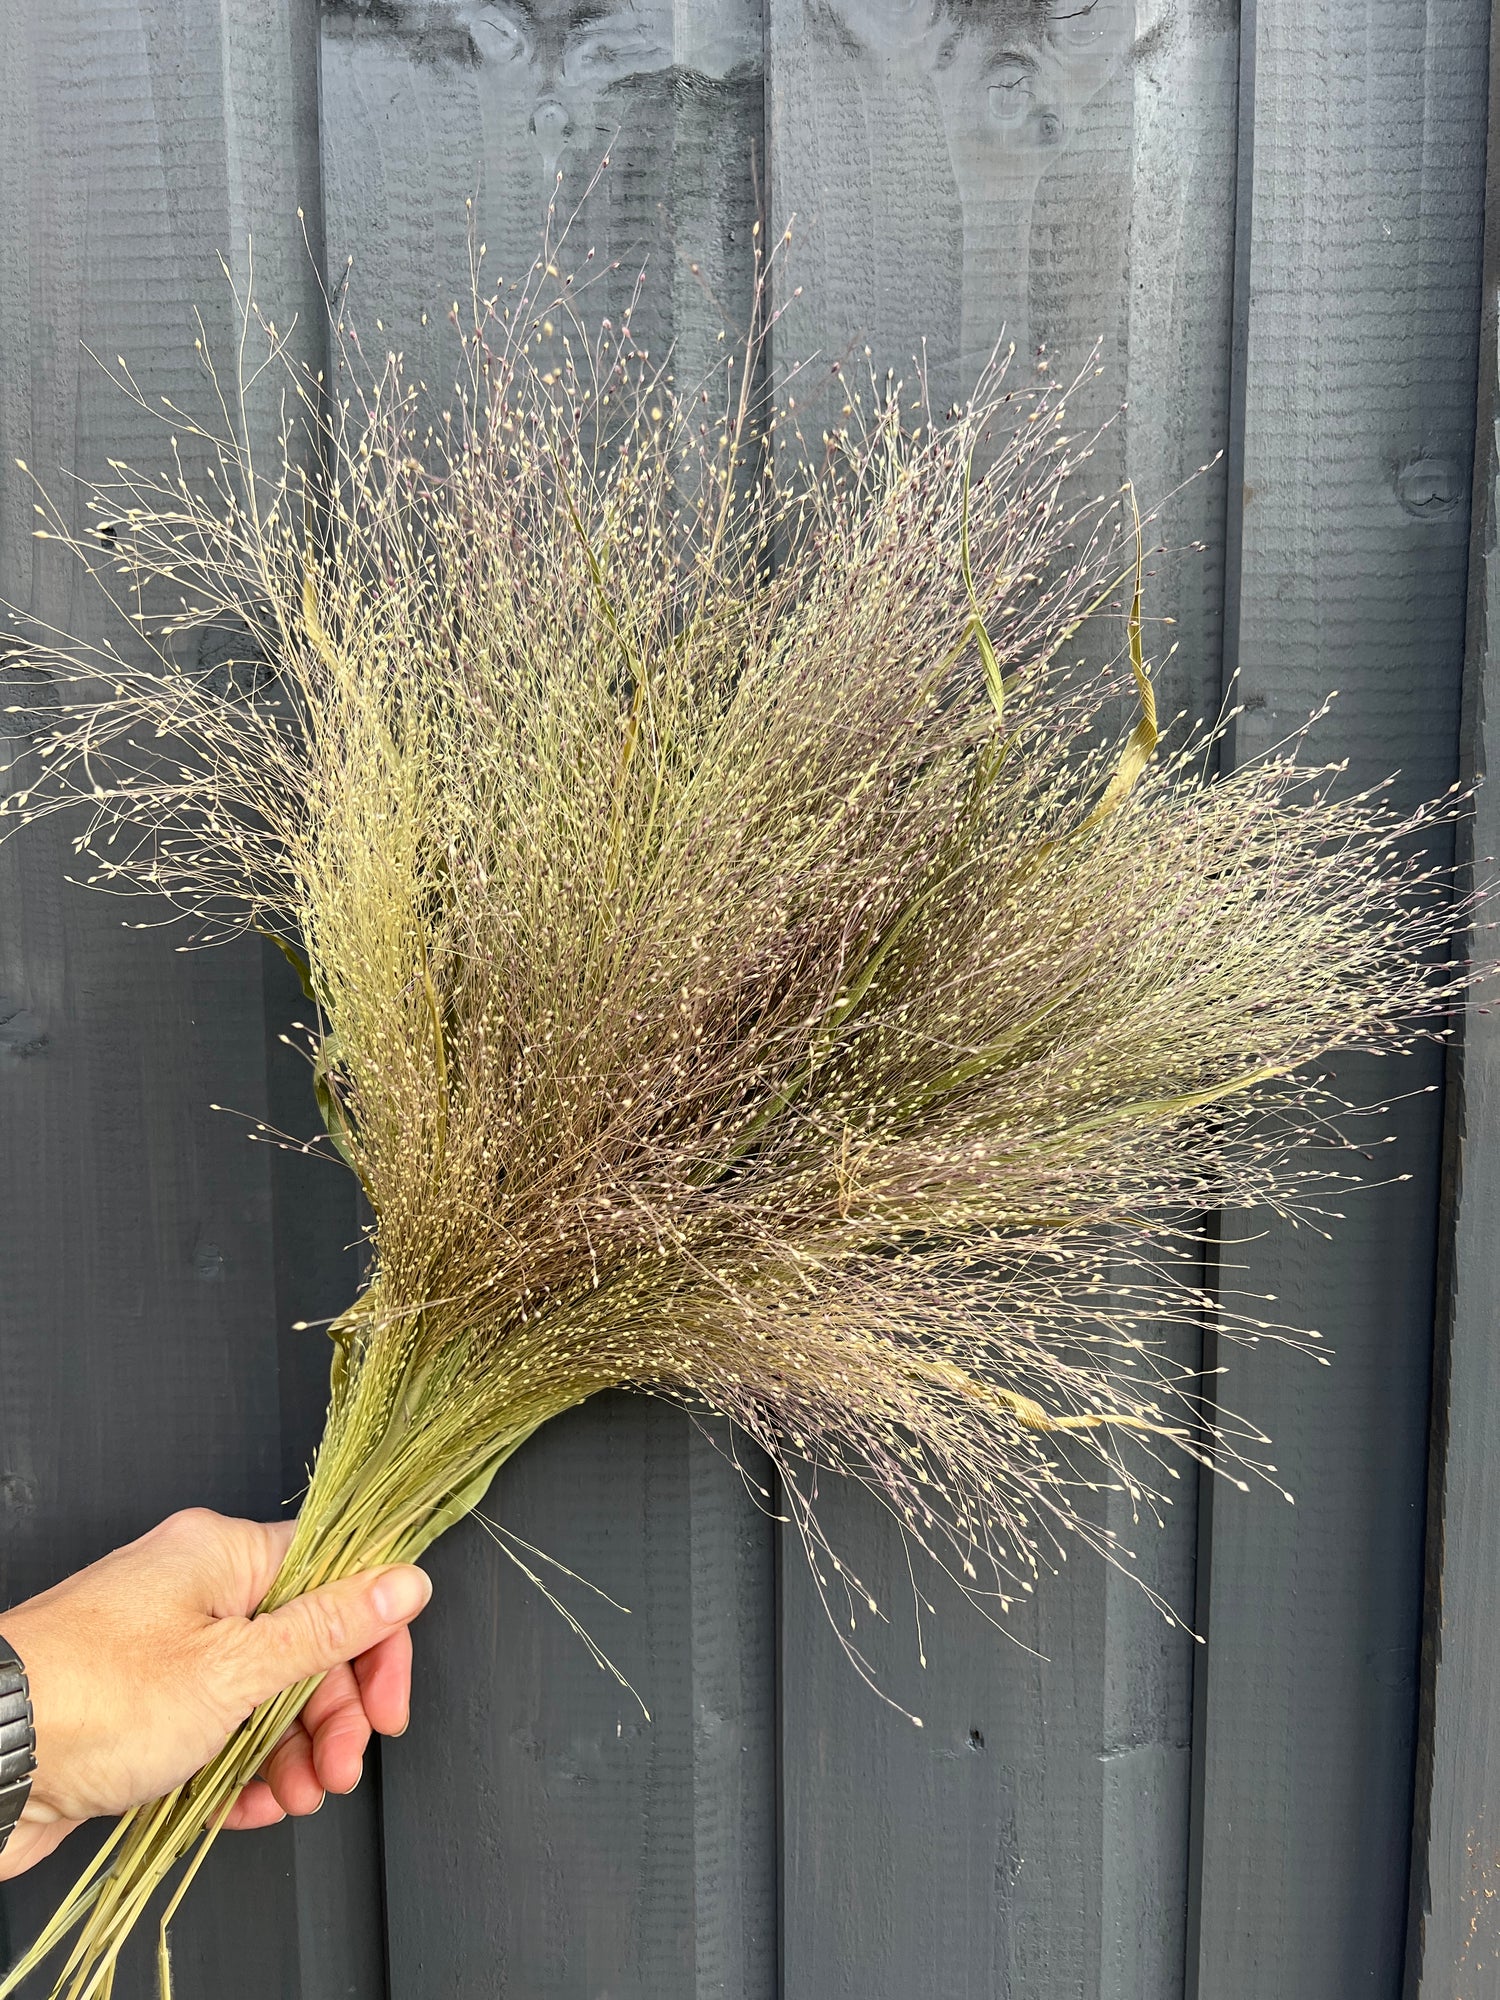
[(742, 963)]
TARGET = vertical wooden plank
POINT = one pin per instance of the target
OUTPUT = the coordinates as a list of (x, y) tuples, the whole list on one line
[(1453, 1930), (139, 1351), (1068, 174), (543, 1840), (336, 1854), (1361, 304), (543, 1836)]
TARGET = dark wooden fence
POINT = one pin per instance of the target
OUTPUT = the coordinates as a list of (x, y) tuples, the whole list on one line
[(1271, 219)]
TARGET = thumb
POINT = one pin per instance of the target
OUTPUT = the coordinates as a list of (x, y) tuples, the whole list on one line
[(326, 1626)]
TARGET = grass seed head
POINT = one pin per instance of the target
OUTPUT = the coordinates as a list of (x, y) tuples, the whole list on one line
[(745, 962)]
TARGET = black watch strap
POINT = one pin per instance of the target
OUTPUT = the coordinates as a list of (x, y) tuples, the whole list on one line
[(17, 1740)]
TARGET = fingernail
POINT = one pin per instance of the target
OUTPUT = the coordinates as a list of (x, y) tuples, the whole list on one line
[(401, 1594), (405, 1725)]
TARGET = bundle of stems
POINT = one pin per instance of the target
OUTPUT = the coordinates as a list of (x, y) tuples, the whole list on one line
[(748, 958)]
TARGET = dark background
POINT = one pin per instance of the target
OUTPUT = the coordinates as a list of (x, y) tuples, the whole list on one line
[(1271, 221)]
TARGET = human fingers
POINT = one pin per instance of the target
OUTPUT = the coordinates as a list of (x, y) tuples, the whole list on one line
[(384, 1676), (324, 1628), (290, 1773), (256, 1806), (336, 1721)]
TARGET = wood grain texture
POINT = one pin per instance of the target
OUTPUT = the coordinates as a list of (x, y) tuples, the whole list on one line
[(425, 109), (1361, 312), (1070, 176), (1453, 1931), (139, 1341), (544, 1841)]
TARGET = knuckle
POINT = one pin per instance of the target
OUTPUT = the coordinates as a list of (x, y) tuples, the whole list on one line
[(208, 1680), (238, 1681), (190, 1524), (328, 1623)]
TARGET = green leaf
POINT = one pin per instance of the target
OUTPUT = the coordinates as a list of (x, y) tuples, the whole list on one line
[(463, 1499), (338, 1367), (1143, 738), (332, 1112), (297, 960), (975, 630)]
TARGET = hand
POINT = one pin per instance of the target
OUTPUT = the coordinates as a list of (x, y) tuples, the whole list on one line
[(143, 1664)]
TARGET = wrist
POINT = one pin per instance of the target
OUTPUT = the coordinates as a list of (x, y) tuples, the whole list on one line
[(26, 1635), (17, 1740)]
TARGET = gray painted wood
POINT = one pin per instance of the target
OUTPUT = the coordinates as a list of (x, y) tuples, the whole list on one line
[(147, 1262), (773, 1829), (542, 1839), (1360, 307), (949, 173), (1453, 1934), (315, 1228)]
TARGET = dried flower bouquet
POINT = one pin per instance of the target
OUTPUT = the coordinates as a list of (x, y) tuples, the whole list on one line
[(743, 961)]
